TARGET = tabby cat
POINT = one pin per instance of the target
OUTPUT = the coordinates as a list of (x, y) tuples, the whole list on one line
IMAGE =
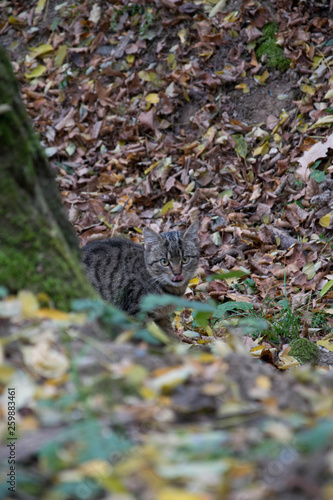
[(124, 272)]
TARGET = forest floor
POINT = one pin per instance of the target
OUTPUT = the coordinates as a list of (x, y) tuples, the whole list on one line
[(155, 114)]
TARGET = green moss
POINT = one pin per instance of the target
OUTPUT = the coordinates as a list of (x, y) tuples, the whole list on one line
[(269, 31), (274, 53), (39, 250), (38, 266), (33, 254), (304, 351)]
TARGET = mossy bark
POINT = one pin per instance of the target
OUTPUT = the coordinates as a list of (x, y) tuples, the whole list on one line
[(39, 250)]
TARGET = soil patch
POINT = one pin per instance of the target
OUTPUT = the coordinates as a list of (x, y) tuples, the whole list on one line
[(277, 94)]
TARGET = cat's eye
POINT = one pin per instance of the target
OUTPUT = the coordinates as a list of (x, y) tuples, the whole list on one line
[(164, 262), (185, 259)]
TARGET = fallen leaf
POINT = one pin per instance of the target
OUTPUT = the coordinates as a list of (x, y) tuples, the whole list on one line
[(326, 288), (318, 150), (95, 13), (147, 119), (152, 98), (41, 50), (326, 343), (36, 72), (325, 220)]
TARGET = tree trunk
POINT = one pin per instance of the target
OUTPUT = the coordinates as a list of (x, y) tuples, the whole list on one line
[(39, 250)]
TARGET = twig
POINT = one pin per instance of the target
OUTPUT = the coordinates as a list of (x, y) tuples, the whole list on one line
[(46, 10)]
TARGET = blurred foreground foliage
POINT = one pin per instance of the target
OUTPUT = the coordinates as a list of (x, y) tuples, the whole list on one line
[(98, 417)]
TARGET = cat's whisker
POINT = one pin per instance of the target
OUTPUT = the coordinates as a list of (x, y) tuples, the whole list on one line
[(156, 280)]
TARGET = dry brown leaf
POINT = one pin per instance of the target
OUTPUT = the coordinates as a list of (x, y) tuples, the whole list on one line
[(318, 150)]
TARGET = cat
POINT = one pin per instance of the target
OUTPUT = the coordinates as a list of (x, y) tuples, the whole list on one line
[(123, 272)]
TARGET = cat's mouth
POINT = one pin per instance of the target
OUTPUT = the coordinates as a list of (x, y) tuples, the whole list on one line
[(177, 278)]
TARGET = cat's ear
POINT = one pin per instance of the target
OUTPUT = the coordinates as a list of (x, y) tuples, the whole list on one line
[(191, 232), (151, 238)]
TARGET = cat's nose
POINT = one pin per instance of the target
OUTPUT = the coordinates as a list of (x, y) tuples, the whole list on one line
[(178, 277)]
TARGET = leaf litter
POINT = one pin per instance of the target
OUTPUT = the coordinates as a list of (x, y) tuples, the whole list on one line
[(154, 115)]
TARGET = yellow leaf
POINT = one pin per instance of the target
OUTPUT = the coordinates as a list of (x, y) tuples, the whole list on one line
[(172, 63), (256, 351), (6, 373), (326, 343), (55, 382), (325, 220), (16, 21), (47, 313), (244, 87), (95, 468), (210, 134), (190, 187), (232, 16), (60, 56), (329, 94), (326, 288), (206, 357), (178, 494), (316, 61), (152, 166), (43, 298), (241, 145), (261, 150), (303, 128), (41, 50), (144, 75), (45, 360), (171, 377), (168, 206), (35, 73), (40, 6), (209, 331), (147, 393), (307, 89), (217, 7), (262, 78), (324, 120), (266, 219), (194, 281), (285, 362), (263, 382), (233, 33), (130, 58), (186, 96), (29, 423), (207, 55), (150, 76), (29, 303), (282, 118), (309, 270), (152, 98), (182, 35), (157, 332)]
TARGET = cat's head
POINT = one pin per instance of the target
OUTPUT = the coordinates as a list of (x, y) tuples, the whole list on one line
[(172, 257)]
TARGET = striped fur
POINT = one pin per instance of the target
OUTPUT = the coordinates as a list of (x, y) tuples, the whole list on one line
[(123, 272)]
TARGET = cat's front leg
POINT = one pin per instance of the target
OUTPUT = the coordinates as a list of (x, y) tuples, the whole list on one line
[(166, 326)]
